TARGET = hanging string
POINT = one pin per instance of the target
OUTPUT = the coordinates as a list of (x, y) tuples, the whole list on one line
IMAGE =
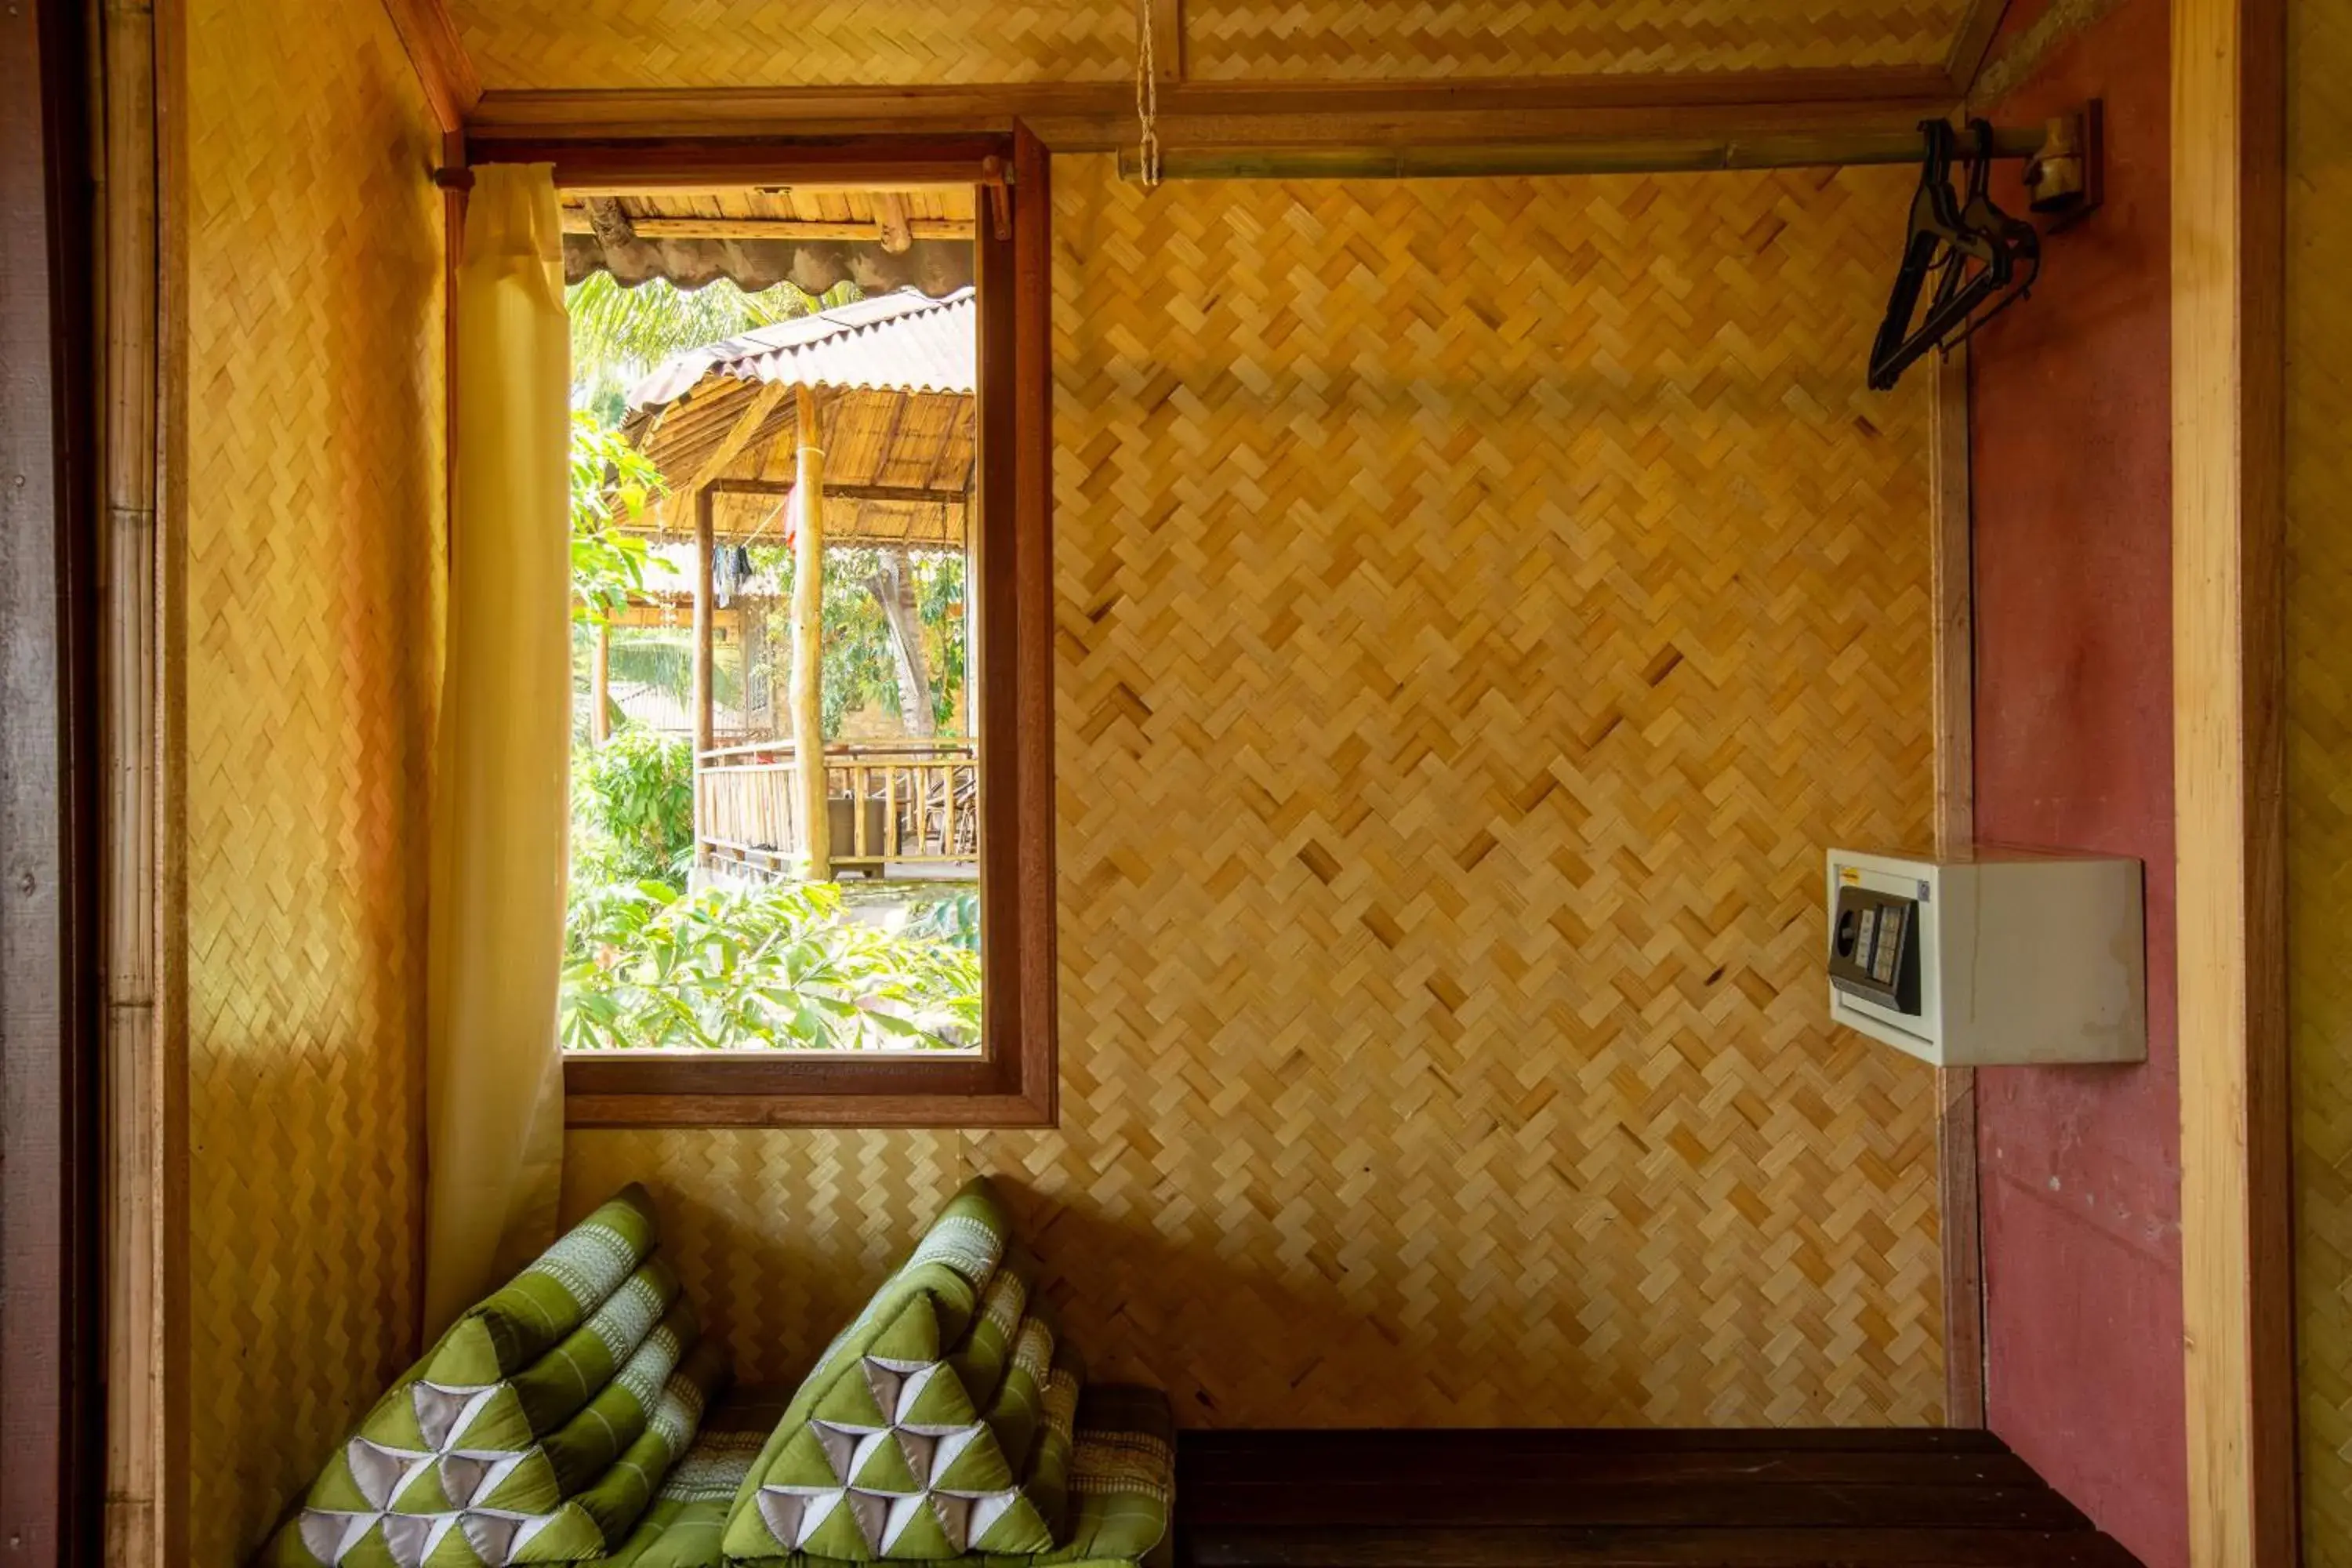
[(1146, 97)]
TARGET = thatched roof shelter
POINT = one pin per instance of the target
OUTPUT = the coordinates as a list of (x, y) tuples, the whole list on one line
[(896, 379), (859, 425)]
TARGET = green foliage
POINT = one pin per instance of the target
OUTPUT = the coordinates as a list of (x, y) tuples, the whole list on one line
[(632, 809), (646, 966), (661, 657), (940, 602), (618, 335), (954, 920), (610, 483), (859, 673)]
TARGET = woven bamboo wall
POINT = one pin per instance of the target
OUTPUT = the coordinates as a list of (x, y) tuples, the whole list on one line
[(313, 529), (1235, 39), (2319, 757), (1480, 604), (755, 43), (698, 43)]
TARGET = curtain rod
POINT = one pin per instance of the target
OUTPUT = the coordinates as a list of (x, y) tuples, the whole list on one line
[(1646, 155)]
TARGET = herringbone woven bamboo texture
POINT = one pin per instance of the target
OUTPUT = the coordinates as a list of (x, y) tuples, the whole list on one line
[(1402, 39), (314, 520), (754, 43), (732, 43), (2319, 757), (1479, 604)]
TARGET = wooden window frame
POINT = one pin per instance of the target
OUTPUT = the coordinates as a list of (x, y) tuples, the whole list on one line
[(1012, 1082)]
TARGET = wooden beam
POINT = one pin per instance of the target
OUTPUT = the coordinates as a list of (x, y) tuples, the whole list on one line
[(703, 598), (1972, 43), (613, 161), (731, 446), (1580, 155), (1168, 41), (1951, 593), (913, 495), (575, 221), (891, 218), (1101, 116), (2228, 143), (452, 86), (808, 654)]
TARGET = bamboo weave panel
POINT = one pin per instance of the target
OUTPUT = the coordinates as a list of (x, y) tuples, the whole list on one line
[(2319, 746), (1479, 605), (746, 43), (314, 520), (753, 43), (1402, 39)]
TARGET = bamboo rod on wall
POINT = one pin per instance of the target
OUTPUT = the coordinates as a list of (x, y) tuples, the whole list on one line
[(145, 1197), (808, 610), (1646, 155)]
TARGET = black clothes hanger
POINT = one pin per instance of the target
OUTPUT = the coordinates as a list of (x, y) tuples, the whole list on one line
[(1945, 237)]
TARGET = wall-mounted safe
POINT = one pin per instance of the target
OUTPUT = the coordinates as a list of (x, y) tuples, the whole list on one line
[(2003, 959)]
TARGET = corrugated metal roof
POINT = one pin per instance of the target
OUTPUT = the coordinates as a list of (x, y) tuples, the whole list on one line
[(905, 342)]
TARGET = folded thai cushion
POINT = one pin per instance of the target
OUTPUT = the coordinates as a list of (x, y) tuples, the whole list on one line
[(588, 1524), (928, 1429), (1121, 1471), (529, 1398)]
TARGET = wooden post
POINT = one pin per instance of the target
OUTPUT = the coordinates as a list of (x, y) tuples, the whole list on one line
[(702, 623), (701, 692), (2228, 214), (1954, 686), (808, 621), (600, 687)]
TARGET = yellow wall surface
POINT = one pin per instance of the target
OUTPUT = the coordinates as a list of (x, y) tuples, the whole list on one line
[(753, 43), (1479, 605), (313, 521), (2319, 753)]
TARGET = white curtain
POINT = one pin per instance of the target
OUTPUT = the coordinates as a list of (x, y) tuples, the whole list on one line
[(494, 1088)]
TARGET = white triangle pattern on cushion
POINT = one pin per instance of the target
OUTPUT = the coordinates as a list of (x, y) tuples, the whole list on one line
[(794, 1514), (494, 1534)]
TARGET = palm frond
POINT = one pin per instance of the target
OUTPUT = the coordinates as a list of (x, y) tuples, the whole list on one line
[(620, 334)]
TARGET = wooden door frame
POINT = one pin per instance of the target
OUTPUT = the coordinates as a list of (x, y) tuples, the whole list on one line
[(50, 1232), (2229, 690)]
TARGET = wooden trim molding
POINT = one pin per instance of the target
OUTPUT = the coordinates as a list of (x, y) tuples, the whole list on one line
[(1013, 1083), (49, 1234), (1972, 44), (2229, 660), (1952, 593), (452, 86), (1101, 116)]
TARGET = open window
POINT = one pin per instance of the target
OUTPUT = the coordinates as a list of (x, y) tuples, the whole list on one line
[(811, 486)]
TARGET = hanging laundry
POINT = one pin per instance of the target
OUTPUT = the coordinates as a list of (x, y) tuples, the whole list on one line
[(731, 568)]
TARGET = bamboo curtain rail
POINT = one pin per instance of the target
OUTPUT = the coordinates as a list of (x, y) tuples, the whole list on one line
[(1648, 156)]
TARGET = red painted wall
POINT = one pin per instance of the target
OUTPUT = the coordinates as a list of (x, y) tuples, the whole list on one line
[(2072, 489)]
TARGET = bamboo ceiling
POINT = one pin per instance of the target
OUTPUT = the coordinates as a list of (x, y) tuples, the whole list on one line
[(880, 240), (653, 44)]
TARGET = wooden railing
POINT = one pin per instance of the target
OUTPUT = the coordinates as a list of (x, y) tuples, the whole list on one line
[(911, 804)]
